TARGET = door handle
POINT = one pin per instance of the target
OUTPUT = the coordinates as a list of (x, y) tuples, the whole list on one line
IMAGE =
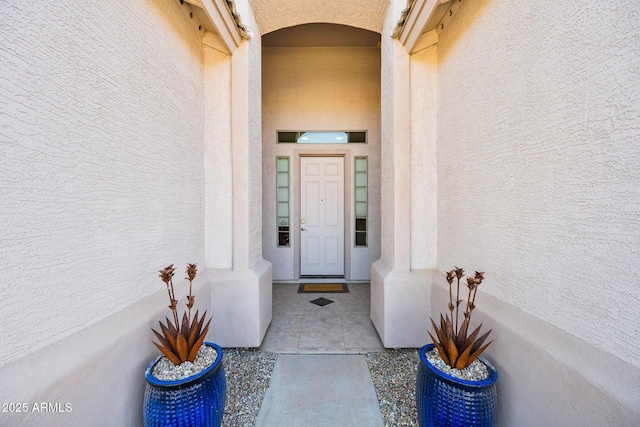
[(303, 229)]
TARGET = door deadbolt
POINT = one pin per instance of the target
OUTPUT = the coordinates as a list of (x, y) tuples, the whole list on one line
[(301, 220)]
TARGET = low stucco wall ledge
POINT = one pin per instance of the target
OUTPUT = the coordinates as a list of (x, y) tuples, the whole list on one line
[(548, 376), (242, 305), (96, 375), (400, 303)]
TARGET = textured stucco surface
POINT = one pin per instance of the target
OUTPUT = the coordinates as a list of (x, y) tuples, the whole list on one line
[(218, 160), (546, 376), (335, 89), (99, 370), (276, 14), (399, 290), (538, 161), (101, 163), (386, 145), (424, 182), (246, 69), (255, 142)]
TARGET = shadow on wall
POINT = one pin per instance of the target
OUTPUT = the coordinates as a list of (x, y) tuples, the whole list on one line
[(176, 16), (462, 22)]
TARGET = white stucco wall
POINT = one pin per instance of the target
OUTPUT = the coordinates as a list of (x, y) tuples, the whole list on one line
[(386, 144), (255, 140), (240, 295), (399, 280), (218, 159), (424, 180), (321, 89), (538, 161), (273, 15), (101, 161)]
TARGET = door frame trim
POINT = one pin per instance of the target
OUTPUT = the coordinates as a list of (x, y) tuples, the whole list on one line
[(296, 181)]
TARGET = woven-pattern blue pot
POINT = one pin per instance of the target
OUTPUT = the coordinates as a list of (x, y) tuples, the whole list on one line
[(197, 401), (445, 401)]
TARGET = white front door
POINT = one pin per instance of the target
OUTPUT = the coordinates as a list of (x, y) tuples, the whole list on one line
[(322, 216)]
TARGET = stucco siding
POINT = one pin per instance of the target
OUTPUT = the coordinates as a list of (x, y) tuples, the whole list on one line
[(321, 89), (218, 160), (101, 170), (538, 161), (386, 145), (424, 180), (255, 146)]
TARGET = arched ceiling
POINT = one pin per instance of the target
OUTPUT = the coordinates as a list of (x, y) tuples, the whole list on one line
[(321, 35), (273, 15)]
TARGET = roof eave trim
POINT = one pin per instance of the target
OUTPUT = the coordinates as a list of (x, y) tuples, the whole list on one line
[(223, 21), (242, 30), (413, 21)]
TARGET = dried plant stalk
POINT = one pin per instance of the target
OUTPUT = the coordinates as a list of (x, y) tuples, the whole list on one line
[(180, 342), (456, 348)]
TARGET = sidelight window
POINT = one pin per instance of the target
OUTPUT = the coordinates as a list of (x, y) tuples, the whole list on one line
[(282, 200), (361, 202)]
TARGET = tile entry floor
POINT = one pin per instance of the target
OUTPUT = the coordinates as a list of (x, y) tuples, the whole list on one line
[(342, 327)]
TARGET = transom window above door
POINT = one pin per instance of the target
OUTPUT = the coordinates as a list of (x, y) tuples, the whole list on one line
[(321, 137)]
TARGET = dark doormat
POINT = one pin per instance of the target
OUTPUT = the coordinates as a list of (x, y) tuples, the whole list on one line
[(321, 301), (323, 288)]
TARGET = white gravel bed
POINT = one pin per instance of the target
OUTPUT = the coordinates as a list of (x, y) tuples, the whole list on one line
[(248, 374), (394, 376), (477, 371), (166, 371)]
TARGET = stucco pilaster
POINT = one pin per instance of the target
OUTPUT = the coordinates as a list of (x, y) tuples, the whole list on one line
[(399, 295), (217, 159), (424, 183), (240, 155), (396, 156), (401, 140), (241, 294)]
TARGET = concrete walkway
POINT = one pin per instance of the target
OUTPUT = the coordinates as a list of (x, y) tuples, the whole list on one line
[(320, 390)]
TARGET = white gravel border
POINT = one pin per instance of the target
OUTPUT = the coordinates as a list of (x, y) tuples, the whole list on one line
[(248, 374), (394, 376)]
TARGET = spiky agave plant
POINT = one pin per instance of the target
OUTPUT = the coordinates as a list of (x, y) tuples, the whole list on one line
[(181, 342), (456, 348)]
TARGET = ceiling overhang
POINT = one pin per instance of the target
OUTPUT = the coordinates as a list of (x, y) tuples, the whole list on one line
[(218, 23), (422, 21), (273, 15)]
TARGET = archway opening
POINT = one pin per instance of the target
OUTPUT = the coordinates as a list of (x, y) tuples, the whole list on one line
[(321, 79)]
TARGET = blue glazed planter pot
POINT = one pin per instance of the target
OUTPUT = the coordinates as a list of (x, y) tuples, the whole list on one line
[(196, 401), (445, 401)]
